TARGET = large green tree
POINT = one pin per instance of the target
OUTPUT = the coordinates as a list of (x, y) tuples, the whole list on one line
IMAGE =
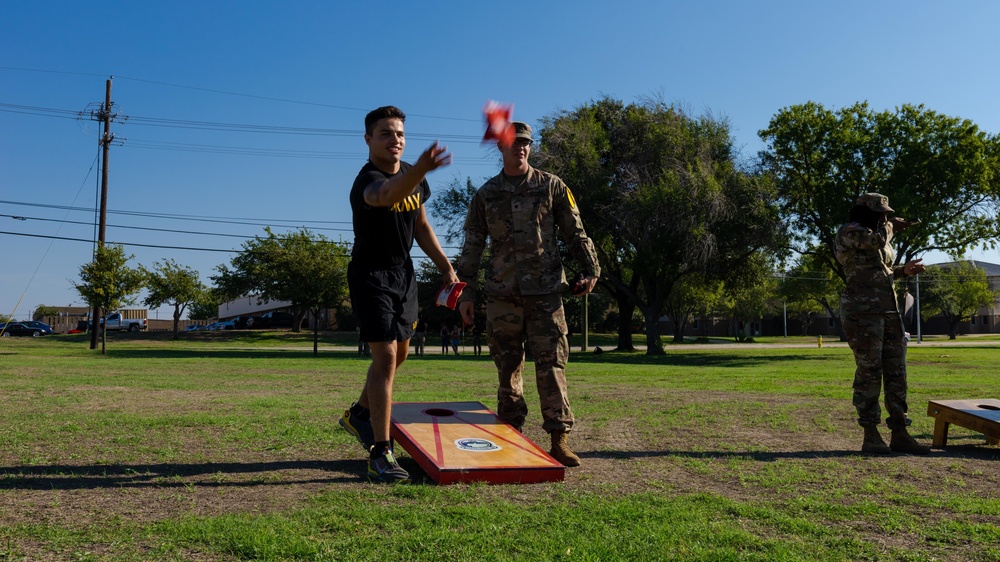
[(955, 291), (108, 282), (307, 270), (663, 197), (942, 170), (171, 283)]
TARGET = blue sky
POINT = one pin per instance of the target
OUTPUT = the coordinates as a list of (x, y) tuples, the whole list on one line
[(303, 74)]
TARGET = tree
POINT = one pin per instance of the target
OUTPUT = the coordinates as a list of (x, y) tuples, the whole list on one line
[(809, 289), (750, 297), (309, 271), (108, 283), (693, 295), (450, 207), (956, 291), (662, 196), (941, 170), (205, 305), (41, 311), (171, 283)]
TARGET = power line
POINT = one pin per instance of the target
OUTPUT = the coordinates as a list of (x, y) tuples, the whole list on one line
[(160, 246), (272, 152), (230, 127), (90, 241), (486, 160), (223, 92), (198, 218), (150, 228)]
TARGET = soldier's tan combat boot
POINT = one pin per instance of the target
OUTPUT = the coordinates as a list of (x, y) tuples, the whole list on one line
[(902, 442), (873, 443), (561, 451)]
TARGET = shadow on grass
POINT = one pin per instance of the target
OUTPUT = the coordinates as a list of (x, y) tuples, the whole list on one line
[(734, 359), (970, 451), (255, 353), (728, 358), (171, 475)]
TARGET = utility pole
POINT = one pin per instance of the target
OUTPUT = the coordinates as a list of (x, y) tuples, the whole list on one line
[(104, 115)]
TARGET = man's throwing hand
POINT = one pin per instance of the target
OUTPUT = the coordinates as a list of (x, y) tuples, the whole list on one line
[(435, 157)]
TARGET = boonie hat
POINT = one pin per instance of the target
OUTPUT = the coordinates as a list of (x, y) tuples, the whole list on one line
[(876, 202), (522, 130)]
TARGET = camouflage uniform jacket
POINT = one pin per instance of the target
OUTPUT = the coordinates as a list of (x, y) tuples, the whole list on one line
[(867, 256), (521, 224)]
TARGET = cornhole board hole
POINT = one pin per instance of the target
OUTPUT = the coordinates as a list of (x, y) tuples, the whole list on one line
[(466, 442), (981, 415)]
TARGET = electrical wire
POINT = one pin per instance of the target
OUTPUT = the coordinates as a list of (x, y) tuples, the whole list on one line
[(196, 218)]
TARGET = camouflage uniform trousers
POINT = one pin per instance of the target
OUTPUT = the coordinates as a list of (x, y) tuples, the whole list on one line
[(541, 321), (880, 354)]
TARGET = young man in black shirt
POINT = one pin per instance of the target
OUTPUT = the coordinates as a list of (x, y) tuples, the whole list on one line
[(387, 202)]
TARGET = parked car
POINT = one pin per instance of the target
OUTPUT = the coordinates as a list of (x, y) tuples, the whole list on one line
[(115, 321), (9, 329), (223, 325), (193, 327), (37, 324), (275, 319), (247, 321)]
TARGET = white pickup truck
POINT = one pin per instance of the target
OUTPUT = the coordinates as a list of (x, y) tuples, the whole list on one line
[(114, 321)]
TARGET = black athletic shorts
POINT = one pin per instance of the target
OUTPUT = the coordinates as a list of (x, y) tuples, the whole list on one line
[(384, 301)]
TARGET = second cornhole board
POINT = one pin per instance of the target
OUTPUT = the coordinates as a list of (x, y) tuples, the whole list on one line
[(466, 442), (978, 414)]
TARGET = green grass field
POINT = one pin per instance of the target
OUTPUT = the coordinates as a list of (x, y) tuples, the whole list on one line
[(226, 447)]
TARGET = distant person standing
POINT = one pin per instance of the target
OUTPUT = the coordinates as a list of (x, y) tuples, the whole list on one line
[(455, 336), (524, 212), (420, 335), (387, 202), (477, 340), (873, 323), (445, 338)]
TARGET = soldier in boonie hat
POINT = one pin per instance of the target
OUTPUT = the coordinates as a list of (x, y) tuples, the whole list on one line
[(876, 202), (522, 131), (873, 323)]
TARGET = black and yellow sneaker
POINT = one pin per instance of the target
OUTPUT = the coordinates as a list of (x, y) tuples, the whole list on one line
[(359, 428), (384, 468)]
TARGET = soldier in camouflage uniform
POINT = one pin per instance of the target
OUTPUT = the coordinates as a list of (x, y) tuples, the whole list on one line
[(523, 211), (873, 323)]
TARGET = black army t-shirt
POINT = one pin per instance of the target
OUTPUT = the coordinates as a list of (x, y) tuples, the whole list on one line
[(383, 236)]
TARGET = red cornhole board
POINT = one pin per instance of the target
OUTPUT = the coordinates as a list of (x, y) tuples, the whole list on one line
[(466, 442), (977, 414)]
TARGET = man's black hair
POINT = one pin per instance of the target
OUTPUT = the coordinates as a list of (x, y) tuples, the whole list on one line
[(384, 112), (865, 216)]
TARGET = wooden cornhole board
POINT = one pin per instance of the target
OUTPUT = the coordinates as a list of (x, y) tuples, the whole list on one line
[(982, 415), (466, 442)]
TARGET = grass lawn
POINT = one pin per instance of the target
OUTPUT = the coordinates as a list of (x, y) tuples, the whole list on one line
[(225, 446)]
